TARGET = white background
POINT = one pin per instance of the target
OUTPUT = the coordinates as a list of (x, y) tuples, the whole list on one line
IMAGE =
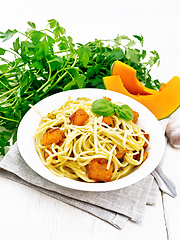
[(156, 20)]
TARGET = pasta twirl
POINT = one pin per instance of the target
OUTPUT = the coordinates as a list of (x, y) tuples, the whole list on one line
[(112, 147)]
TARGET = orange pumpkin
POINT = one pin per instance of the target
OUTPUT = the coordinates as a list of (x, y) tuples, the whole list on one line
[(162, 103), (129, 79), (98, 170)]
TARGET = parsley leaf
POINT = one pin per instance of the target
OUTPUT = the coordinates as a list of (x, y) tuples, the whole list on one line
[(84, 54)]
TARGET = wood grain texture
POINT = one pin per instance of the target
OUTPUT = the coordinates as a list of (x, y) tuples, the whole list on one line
[(29, 214)]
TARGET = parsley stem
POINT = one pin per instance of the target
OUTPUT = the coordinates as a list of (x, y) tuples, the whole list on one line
[(5, 60), (59, 79), (8, 92), (16, 54), (5, 100), (62, 76), (29, 96), (9, 119), (4, 84), (49, 78), (4, 74)]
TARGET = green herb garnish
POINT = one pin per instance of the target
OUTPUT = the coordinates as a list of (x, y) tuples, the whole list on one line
[(43, 62), (104, 107)]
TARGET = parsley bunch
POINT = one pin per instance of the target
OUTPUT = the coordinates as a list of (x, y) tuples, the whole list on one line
[(43, 62)]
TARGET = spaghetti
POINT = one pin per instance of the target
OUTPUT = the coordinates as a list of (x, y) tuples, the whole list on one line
[(74, 142)]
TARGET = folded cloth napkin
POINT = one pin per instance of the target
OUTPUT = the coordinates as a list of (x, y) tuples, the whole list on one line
[(116, 207)]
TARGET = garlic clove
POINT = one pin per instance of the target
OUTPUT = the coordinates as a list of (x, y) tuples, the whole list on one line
[(173, 133)]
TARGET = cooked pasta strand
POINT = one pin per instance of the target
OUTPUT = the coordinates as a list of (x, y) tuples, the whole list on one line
[(93, 140)]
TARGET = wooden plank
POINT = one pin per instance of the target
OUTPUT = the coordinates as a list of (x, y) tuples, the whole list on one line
[(171, 167), (29, 214)]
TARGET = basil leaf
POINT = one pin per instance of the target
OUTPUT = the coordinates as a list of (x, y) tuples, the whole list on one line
[(124, 112), (102, 107)]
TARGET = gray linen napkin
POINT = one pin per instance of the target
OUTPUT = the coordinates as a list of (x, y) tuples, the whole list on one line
[(115, 207)]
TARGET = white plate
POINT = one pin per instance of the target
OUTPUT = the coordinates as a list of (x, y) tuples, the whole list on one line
[(147, 121)]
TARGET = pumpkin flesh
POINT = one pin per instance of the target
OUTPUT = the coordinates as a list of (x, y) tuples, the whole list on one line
[(129, 79), (162, 104)]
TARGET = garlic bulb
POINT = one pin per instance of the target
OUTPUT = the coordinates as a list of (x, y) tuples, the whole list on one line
[(173, 133)]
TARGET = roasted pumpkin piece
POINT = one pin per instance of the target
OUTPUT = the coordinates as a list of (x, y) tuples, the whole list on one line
[(98, 170), (53, 136), (79, 117), (147, 136), (145, 156), (121, 154), (109, 121), (137, 156), (46, 154), (109, 99), (135, 116)]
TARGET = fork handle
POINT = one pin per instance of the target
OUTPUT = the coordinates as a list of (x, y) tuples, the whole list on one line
[(164, 183)]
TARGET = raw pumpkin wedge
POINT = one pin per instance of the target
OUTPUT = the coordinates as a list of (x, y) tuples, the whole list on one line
[(161, 104), (129, 79)]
